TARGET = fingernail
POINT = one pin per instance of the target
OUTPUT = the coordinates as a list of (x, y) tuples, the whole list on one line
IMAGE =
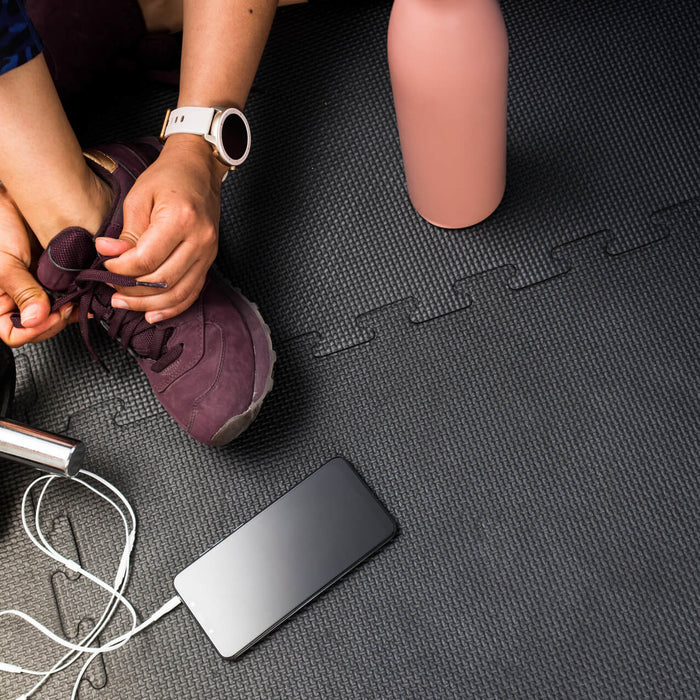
[(119, 303), (154, 317), (30, 313), (66, 311)]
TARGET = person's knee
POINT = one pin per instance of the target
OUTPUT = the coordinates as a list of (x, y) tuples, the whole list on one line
[(162, 15)]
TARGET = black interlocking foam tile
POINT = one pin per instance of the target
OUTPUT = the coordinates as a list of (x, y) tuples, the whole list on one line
[(521, 394)]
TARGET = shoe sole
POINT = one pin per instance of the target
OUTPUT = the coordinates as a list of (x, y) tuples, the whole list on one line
[(265, 358)]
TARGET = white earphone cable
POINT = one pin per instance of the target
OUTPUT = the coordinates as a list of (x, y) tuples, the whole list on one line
[(115, 590)]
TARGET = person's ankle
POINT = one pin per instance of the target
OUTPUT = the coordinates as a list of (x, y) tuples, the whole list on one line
[(88, 208)]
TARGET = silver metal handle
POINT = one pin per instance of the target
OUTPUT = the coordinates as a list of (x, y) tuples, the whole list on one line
[(51, 453)]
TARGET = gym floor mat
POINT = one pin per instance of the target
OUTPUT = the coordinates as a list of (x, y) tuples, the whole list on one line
[(522, 395)]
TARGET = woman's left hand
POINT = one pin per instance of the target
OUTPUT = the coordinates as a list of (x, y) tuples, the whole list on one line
[(171, 226)]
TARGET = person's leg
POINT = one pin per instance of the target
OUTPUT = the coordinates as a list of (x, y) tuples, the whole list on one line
[(166, 15), (41, 161)]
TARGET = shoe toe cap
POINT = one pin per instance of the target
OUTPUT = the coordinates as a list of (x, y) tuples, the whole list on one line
[(219, 388), (227, 400), (215, 388)]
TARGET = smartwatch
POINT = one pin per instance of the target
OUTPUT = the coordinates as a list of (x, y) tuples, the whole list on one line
[(225, 128)]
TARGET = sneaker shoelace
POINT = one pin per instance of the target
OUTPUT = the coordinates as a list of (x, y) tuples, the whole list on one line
[(138, 337)]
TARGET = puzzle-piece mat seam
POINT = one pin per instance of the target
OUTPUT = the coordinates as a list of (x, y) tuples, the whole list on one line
[(564, 258)]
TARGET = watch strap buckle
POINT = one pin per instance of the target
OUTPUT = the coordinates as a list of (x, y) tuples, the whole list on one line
[(161, 138)]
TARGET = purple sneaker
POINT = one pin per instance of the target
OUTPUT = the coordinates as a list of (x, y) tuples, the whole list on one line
[(211, 366)]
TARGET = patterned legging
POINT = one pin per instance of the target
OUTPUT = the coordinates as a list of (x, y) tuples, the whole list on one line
[(19, 41)]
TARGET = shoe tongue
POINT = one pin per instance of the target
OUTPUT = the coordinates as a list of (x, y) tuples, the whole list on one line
[(69, 252)]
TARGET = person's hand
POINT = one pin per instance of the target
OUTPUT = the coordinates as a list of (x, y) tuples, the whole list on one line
[(19, 290), (171, 226)]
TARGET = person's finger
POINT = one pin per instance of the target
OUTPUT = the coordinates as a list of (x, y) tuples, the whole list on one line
[(181, 261), (137, 210), (28, 295), (16, 337), (183, 258), (154, 247), (159, 307), (73, 315), (7, 305), (57, 327), (110, 247), (172, 312)]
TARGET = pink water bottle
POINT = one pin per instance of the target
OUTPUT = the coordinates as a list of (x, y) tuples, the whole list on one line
[(448, 61)]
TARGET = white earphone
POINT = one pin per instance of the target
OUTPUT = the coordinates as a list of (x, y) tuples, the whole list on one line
[(116, 590)]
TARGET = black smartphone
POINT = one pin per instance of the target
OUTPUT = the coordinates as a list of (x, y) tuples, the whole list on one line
[(261, 574)]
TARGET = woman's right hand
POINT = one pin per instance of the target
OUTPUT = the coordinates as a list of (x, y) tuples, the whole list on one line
[(19, 290)]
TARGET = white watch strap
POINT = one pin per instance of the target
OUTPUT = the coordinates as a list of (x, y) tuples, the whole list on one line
[(189, 120)]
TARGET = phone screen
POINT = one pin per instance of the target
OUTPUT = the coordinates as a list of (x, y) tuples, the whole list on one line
[(271, 566)]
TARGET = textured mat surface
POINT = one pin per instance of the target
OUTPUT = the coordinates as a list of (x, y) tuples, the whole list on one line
[(523, 395)]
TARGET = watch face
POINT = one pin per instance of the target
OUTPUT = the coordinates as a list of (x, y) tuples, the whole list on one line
[(235, 136)]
